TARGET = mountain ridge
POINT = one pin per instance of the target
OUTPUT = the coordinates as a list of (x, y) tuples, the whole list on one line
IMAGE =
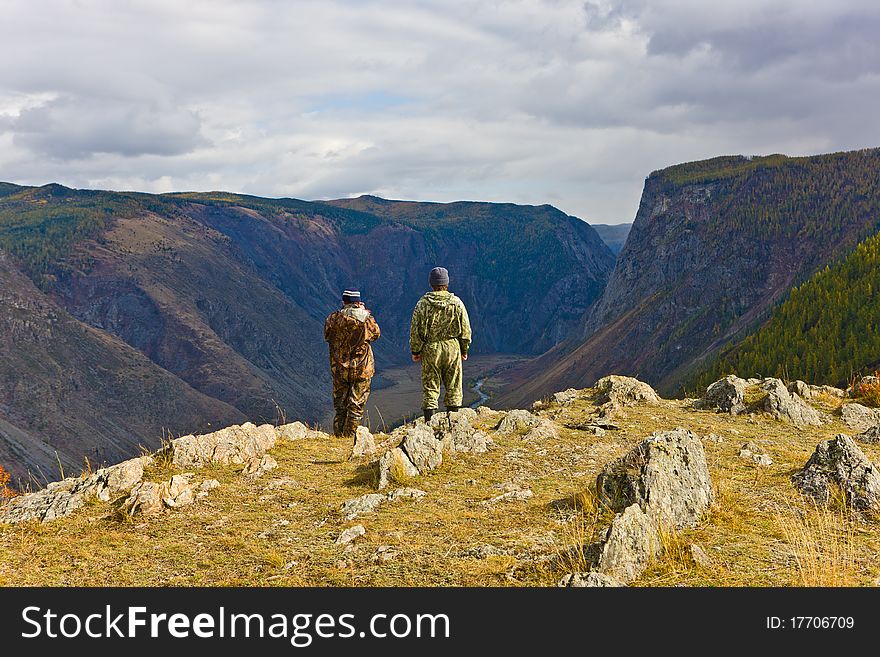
[(714, 246), (227, 293)]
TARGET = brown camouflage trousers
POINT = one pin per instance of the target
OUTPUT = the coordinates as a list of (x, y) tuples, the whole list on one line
[(349, 400)]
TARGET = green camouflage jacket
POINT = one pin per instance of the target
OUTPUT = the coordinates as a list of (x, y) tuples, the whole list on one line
[(439, 316), (348, 333)]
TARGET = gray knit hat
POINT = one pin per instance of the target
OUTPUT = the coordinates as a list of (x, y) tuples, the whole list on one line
[(438, 276)]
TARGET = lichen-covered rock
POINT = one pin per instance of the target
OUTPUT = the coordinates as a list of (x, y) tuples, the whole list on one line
[(870, 436), (858, 417), (237, 444), (292, 431), (179, 491), (364, 444), (801, 389), (839, 462), (422, 447), (61, 498), (624, 391), (350, 534), (257, 467), (630, 544), (783, 405), (395, 466), (406, 494), (516, 421), (564, 398), (358, 506), (666, 475), (828, 390), (726, 395), (457, 430), (589, 580), (544, 430), (147, 498)]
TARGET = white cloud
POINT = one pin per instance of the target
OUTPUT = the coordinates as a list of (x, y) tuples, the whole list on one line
[(530, 101)]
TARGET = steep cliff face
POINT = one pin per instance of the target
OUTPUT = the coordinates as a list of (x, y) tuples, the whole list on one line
[(714, 245), (226, 296)]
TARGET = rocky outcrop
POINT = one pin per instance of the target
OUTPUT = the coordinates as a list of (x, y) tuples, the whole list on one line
[(517, 421), (630, 544), (726, 395), (424, 450), (395, 466), (589, 580), (257, 467), (858, 417), (362, 505), (624, 391), (61, 498), (800, 389), (729, 394), (457, 429), (662, 484), (840, 463), (237, 444), (364, 444), (370, 502), (292, 431), (870, 436), (152, 498), (666, 476), (544, 430), (783, 405)]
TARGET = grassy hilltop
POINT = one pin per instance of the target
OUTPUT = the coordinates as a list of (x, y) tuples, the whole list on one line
[(281, 528)]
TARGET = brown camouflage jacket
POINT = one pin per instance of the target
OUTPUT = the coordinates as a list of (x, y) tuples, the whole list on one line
[(348, 333)]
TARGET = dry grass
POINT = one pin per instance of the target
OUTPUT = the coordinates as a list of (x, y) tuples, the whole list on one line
[(252, 533), (822, 541)]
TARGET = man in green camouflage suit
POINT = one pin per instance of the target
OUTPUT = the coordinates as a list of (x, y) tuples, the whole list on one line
[(348, 333), (440, 336)]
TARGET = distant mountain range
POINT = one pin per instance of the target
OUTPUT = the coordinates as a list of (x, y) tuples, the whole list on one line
[(126, 315), (613, 235)]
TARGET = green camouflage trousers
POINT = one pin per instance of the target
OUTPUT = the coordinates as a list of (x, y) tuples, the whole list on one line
[(441, 363), (349, 400)]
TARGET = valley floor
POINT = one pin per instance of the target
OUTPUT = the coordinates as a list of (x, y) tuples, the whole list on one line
[(280, 530)]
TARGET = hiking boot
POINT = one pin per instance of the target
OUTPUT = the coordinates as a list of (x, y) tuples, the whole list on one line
[(429, 413)]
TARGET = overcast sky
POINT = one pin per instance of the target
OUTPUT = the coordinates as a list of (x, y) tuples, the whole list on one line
[(532, 101)]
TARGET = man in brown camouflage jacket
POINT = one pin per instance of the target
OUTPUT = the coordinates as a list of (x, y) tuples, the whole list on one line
[(348, 333)]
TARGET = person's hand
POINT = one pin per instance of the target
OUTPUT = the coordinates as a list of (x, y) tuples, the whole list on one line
[(464, 356), (416, 358)]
